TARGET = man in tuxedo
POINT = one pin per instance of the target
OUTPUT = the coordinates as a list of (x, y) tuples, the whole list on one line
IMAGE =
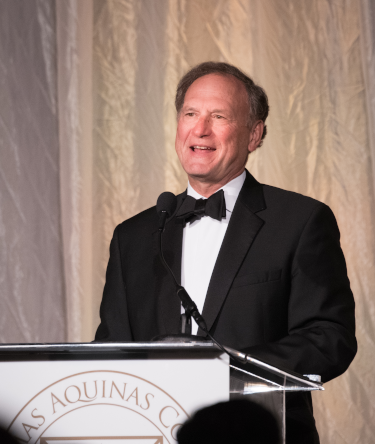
[(263, 265)]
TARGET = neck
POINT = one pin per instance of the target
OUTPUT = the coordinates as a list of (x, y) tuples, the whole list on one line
[(207, 189)]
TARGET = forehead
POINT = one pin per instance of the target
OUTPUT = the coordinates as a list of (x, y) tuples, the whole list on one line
[(227, 90)]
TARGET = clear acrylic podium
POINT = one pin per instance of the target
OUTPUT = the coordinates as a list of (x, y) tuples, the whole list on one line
[(98, 392)]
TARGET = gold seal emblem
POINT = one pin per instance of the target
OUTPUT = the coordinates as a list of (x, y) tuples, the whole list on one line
[(99, 407)]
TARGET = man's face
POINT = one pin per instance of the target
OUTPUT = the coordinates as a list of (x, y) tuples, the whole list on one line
[(213, 140)]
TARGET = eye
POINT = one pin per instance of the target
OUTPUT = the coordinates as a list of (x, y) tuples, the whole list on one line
[(218, 116)]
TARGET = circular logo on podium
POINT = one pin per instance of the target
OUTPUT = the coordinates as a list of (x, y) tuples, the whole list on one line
[(99, 407)]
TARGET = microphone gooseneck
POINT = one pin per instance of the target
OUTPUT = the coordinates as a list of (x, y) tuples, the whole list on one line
[(165, 207)]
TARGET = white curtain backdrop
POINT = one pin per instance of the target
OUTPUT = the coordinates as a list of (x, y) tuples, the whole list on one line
[(32, 296), (367, 40), (113, 83), (74, 30)]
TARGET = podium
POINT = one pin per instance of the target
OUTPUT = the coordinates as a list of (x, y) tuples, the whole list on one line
[(127, 393)]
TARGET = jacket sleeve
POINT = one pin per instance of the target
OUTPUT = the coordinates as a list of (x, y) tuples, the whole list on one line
[(115, 325), (321, 324)]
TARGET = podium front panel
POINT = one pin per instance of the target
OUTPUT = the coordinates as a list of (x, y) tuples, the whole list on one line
[(139, 395)]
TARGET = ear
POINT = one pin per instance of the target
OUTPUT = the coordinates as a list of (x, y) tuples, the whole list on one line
[(255, 136)]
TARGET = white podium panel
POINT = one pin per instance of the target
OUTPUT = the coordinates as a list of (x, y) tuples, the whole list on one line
[(139, 396)]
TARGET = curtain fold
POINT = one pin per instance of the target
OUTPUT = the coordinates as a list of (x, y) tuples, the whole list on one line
[(32, 299), (74, 85), (367, 41)]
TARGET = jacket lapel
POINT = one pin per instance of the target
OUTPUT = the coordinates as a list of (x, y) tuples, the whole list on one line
[(243, 227), (169, 304)]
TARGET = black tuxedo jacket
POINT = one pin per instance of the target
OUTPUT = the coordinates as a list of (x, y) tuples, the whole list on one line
[(279, 289)]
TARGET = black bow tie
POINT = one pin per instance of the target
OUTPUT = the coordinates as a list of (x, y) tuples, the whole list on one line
[(193, 209)]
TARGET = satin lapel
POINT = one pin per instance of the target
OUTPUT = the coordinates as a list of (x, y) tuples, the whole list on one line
[(243, 227), (169, 305)]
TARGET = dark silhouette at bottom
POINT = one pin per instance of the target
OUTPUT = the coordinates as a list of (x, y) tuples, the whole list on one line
[(237, 421), (7, 438)]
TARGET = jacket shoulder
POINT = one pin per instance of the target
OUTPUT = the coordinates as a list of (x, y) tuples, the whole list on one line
[(295, 210), (144, 221), (284, 198)]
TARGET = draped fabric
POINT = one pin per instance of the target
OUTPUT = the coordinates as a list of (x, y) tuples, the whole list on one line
[(32, 299), (74, 90), (87, 126), (367, 39)]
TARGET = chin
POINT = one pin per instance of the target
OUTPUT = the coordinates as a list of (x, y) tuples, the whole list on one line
[(199, 173), (199, 170)]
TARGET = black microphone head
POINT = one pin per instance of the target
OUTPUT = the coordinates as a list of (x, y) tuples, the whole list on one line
[(167, 202)]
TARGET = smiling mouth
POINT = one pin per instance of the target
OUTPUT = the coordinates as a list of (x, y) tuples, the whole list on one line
[(202, 148)]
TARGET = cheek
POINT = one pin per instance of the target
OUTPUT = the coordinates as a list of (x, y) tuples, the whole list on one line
[(229, 141), (237, 144), (178, 141), (181, 136), (227, 134)]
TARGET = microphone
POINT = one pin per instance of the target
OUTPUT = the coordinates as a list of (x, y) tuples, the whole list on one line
[(165, 207)]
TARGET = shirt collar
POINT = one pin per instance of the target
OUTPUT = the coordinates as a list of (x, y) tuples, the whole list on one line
[(231, 191)]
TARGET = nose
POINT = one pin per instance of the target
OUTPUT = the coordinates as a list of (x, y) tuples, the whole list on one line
[(202, 127)]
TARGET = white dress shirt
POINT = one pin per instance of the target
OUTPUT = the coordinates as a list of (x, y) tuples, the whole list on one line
[(201, 243)]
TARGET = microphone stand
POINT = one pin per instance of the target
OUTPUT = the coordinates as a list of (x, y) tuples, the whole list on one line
[(191, 309)]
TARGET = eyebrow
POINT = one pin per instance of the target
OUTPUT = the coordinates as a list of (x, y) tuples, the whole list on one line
[(216, 110), (189, 108)]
